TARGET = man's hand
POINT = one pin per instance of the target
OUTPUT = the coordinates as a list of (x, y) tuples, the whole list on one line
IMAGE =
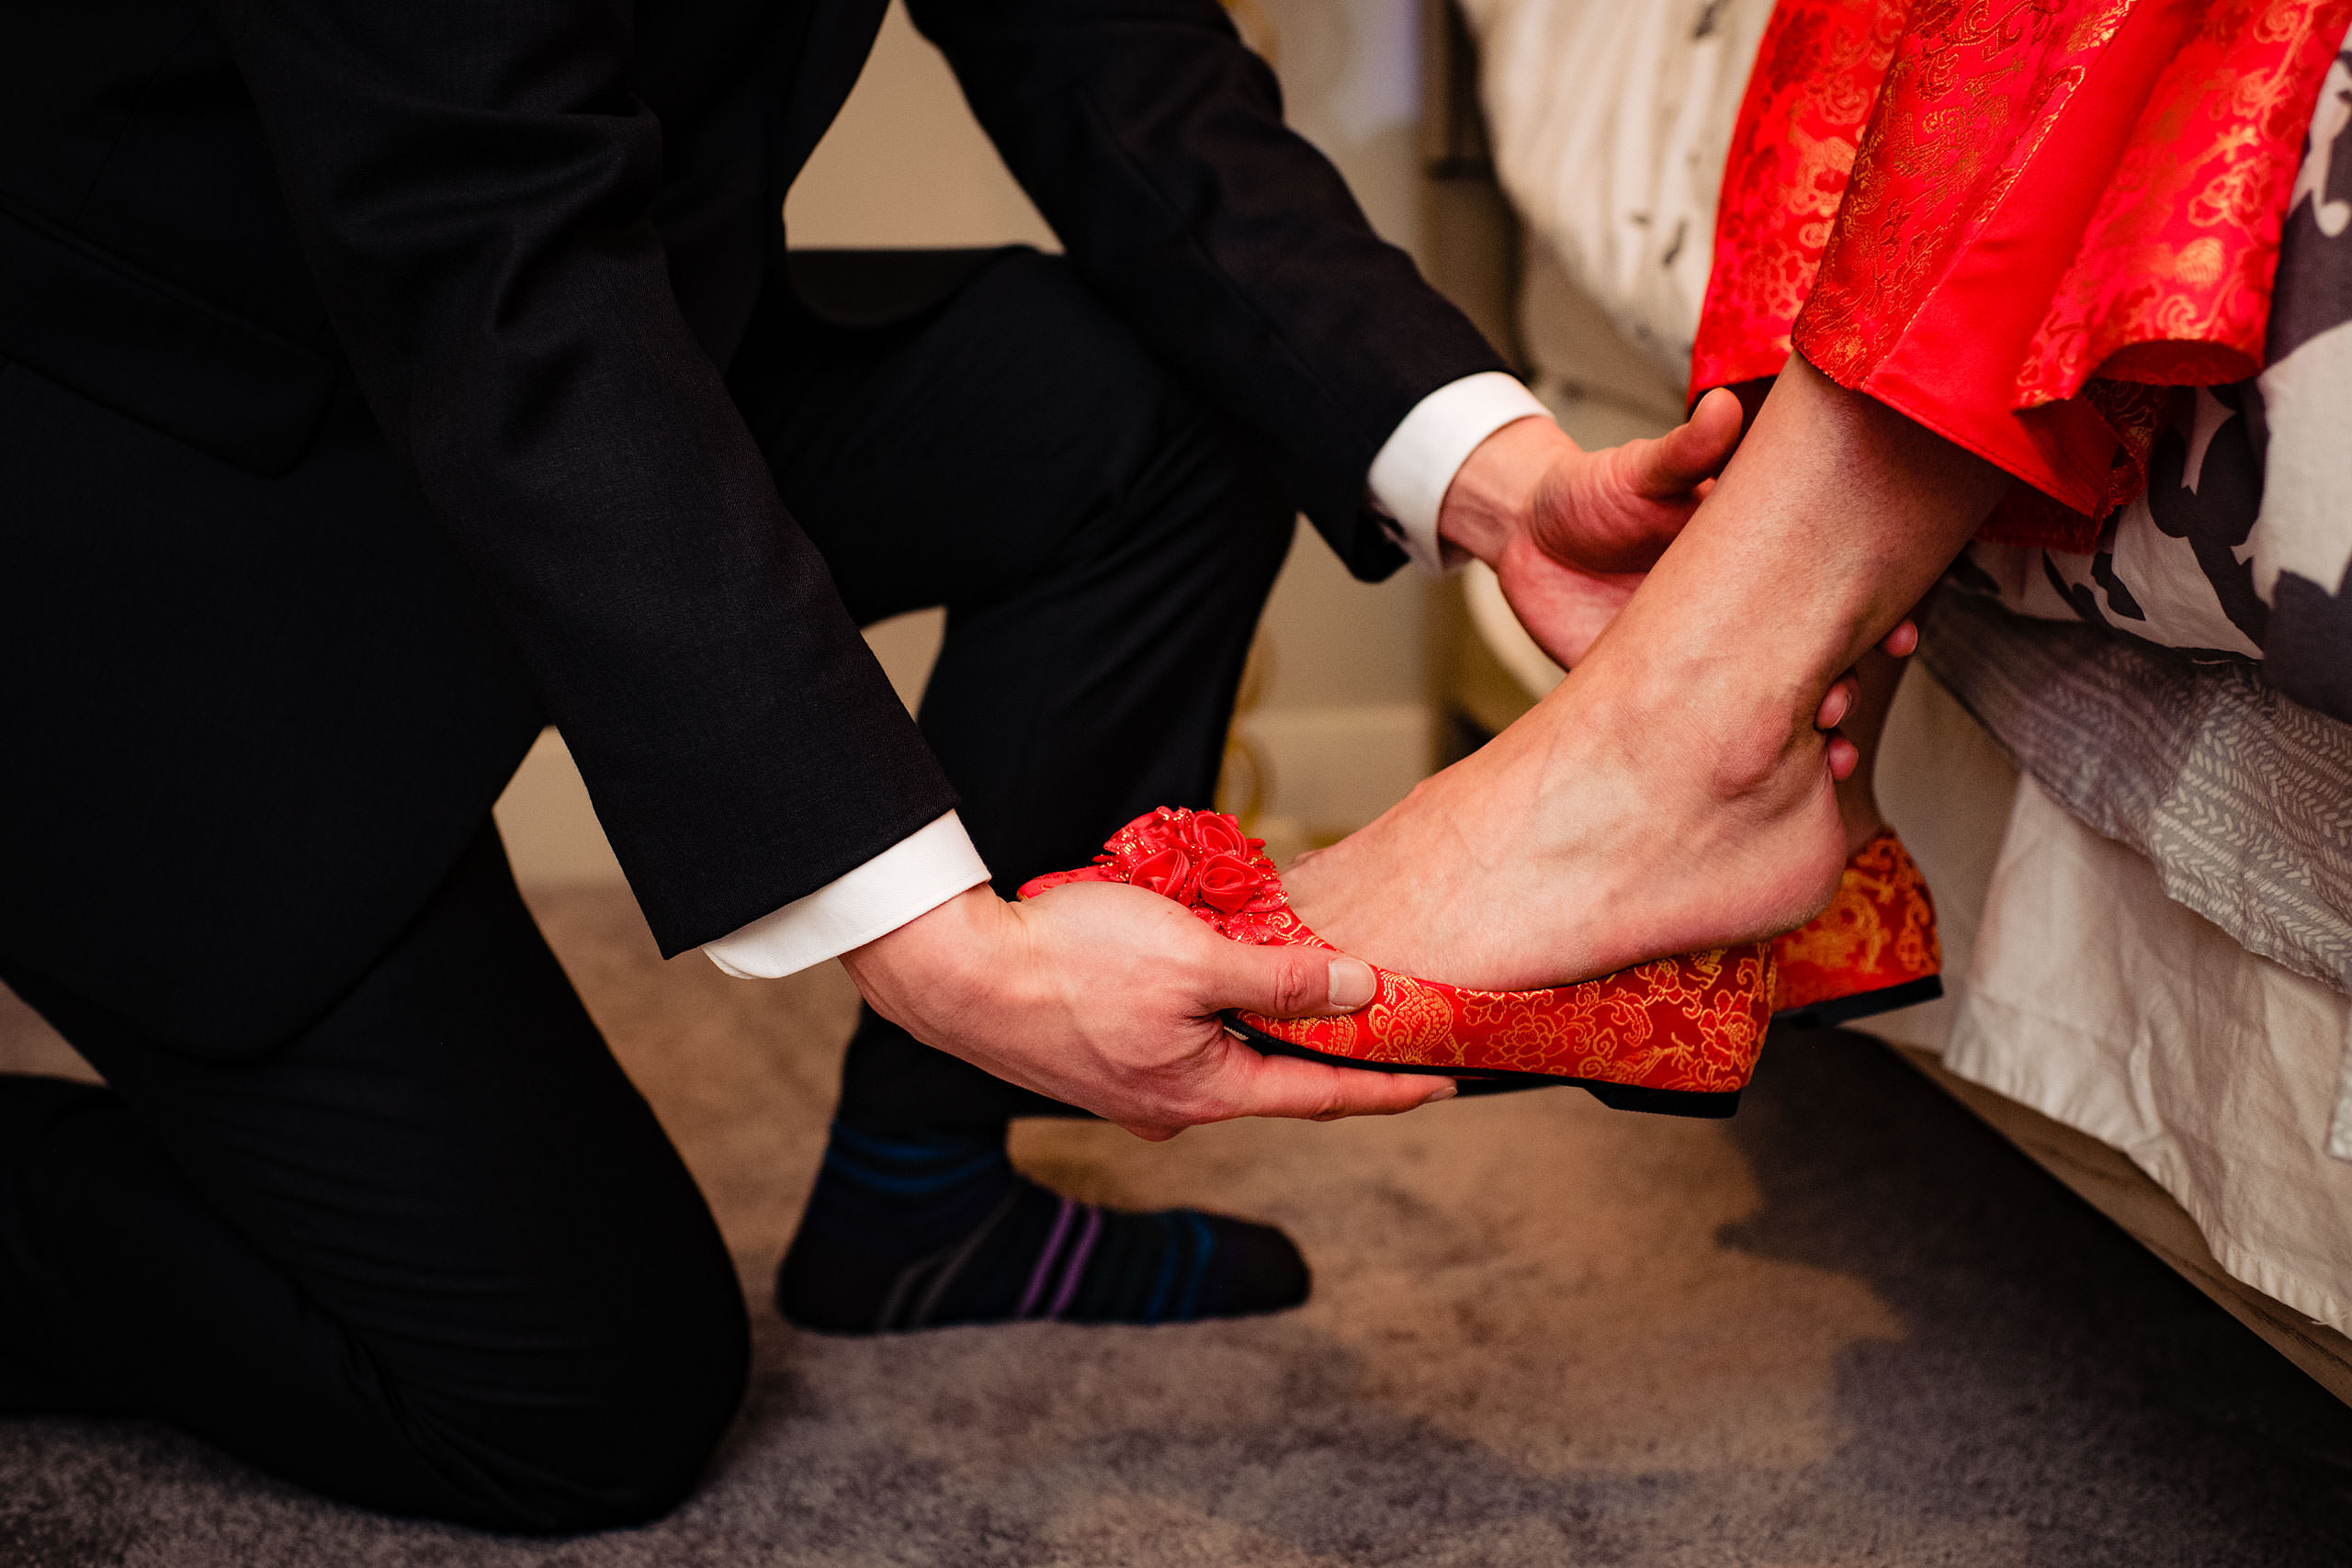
[(1571, 532), (1106, 996)]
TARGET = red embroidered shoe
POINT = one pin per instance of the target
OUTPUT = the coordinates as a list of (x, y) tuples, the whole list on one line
[(1678, 1035), (1873, 950)]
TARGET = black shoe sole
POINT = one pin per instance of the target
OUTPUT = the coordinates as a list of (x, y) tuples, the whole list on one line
[(1616, 1096), (1861, 1004)]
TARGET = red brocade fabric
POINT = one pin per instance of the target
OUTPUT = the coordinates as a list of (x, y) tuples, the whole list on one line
[(1692, 1024), (1878, 932), (2015, 221)]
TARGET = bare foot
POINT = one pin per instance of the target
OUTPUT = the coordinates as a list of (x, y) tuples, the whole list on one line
[(1570, 847), (1603, 828)]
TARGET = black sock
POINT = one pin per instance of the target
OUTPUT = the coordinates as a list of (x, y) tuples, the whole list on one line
[(919, 1230)]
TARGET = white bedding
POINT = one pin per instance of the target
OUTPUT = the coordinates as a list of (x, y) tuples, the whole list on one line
[(1610, 122), (2104, 1005), (2074, 986)]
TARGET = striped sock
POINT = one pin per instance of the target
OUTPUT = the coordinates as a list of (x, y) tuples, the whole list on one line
[(925, 1229)]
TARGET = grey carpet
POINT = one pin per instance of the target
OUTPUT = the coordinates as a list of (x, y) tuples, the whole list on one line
[(1850, 1327)]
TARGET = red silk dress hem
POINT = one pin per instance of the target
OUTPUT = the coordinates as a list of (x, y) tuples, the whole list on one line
[(2053, 209)]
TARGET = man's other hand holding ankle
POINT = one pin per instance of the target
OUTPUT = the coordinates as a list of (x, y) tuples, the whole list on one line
[(1571, 532), (1107, 997)]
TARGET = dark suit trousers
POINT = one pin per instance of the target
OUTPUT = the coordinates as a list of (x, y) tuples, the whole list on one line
[(431, 1253)]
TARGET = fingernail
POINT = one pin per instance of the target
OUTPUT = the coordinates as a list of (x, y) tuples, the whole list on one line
[(1353, 983), (1445, 1090)]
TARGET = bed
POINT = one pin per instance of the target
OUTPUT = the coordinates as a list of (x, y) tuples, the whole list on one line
[(2128, 773)]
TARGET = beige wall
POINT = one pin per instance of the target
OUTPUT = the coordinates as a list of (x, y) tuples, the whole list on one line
[(906, 165), (1342, 722)]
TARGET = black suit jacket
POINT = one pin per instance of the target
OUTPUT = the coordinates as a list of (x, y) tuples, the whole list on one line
[(532, 232)]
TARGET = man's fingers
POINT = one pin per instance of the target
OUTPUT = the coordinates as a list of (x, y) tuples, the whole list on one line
[(1316, 1091), (1291, 982), (1903, 640), (1694, 451), (1843, 693)]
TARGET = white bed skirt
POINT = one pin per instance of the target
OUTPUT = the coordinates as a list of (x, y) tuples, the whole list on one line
[(2078, 988), (2101, 1003)]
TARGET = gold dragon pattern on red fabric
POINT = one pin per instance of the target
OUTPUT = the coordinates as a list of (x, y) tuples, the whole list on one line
[(2039, 214), (1878, 930), (2184, 240), (1817, 71), (1693, 1023)]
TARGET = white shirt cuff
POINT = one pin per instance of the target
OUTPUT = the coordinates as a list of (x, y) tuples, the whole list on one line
[(910, 879), (1417, 464)]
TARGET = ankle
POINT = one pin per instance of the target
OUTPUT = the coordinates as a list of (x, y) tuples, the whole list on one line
[(1739, 744), (1858, 814)]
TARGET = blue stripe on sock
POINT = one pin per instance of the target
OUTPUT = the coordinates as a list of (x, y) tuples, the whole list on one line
[(910, 1167), (1171, 1244), (904, 1183), (907, 1148), (1207, 1244)]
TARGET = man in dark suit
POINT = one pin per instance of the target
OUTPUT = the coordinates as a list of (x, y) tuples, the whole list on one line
[(379, 383)]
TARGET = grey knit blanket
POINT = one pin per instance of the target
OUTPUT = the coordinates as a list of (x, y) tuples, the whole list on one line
[(2240, 796)]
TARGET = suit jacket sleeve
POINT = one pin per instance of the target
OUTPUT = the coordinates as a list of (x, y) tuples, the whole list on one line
[(1153, 142), (472, 183)]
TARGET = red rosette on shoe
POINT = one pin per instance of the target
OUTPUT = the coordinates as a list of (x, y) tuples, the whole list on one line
[(1873, 950), (1676, 1035)]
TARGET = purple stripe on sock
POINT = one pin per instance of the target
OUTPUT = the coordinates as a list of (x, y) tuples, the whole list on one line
[(1077, 1265), (1046, 1259)]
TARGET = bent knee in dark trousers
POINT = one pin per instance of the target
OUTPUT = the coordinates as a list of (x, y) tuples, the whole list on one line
[(433, 1256)]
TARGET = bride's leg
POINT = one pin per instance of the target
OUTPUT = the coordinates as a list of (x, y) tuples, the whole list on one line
[(1673, 793)]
